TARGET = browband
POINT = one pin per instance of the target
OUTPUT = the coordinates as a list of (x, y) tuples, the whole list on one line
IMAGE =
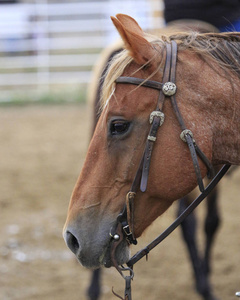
[(142, 82)]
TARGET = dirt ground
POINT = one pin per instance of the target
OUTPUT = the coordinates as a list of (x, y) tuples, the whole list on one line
[(41, 154)]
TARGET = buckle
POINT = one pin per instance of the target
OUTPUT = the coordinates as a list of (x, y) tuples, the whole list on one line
[(126, 230), (129, 236), (184, 133), (158, 114)]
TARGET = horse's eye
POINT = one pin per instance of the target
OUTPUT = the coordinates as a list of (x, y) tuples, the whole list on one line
[(118, 127)]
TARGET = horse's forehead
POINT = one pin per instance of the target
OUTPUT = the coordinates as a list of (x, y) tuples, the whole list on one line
[(130, 100)]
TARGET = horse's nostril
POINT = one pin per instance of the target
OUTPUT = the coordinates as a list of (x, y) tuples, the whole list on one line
[(72, 242)]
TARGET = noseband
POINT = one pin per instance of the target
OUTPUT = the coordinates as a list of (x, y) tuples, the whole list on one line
[(125, 220)]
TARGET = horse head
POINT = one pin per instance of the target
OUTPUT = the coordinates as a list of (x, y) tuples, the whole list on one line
[(118, 144)]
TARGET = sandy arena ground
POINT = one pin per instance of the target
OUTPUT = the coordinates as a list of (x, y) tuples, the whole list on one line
[(41, 154)]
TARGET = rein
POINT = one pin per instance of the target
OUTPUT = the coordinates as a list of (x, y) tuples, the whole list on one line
[(125, 220)]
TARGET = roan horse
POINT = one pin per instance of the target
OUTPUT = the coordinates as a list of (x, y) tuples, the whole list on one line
[(209, 104)]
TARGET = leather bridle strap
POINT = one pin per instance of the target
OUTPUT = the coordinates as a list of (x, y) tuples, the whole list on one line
[(186, 134), (167, 89), (144, 252), (141, 82), (125, 219), (157, 120)]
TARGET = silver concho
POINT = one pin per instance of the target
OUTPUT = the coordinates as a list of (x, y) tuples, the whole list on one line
[(169, 88)]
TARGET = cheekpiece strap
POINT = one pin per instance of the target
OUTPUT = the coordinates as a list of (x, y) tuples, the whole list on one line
[(156, 119)]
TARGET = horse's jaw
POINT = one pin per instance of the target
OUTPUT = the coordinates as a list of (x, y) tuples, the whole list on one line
[(91, 242)]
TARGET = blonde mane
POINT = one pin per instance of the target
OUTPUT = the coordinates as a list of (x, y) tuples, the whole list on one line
[(116, 67), (220, 48)]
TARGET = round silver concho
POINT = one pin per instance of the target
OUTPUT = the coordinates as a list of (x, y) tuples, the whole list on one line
[(169, 88)]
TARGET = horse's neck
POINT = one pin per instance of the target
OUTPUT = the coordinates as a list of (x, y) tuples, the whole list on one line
[(226, 142), (228, 150)]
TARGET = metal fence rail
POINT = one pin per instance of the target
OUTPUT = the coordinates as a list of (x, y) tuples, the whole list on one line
[(43, 45)]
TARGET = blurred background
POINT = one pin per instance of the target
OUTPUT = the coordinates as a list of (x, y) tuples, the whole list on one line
[(48, 48), (47, 53)]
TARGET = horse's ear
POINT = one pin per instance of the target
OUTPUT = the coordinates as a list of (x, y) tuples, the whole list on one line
[(133, 36)]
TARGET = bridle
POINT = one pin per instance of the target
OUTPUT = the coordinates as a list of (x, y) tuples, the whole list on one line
[(125, 220)]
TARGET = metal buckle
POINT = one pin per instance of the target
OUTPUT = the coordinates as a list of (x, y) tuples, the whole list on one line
[(129, 236), (158, 114), (126, 230), (184, 133)]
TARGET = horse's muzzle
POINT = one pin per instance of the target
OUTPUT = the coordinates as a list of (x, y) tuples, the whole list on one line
[(92, 245)]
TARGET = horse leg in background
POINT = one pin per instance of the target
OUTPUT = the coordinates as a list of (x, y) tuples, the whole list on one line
[(212, 222), (189, 226), (94, 289)]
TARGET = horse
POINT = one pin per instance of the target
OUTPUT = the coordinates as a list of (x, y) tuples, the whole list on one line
[(207, 101), (200, 263)]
